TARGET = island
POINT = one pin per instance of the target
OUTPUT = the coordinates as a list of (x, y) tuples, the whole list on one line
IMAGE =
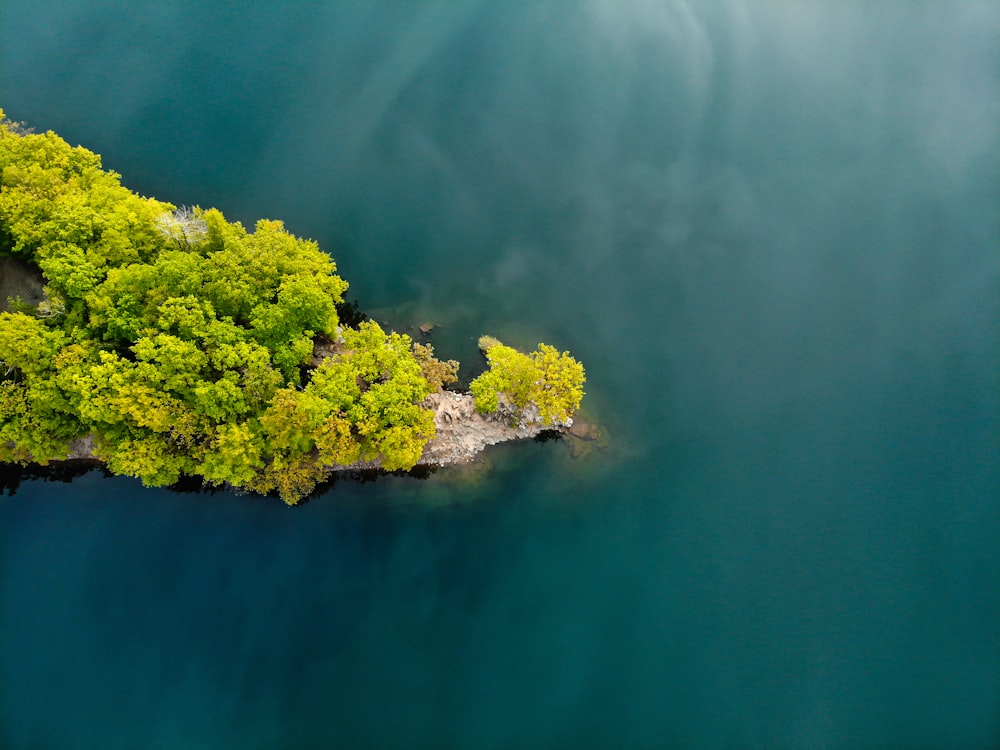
[(167, 342)]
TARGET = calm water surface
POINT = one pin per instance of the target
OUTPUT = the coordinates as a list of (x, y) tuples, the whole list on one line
[(770, 230)]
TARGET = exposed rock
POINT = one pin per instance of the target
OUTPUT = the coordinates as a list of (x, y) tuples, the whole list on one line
[(463, 433), (324, 347), (81, 449)]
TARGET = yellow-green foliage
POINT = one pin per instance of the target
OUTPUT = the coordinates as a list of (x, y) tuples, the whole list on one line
[(437, 373), (551, 381), (376, 387), (178, 339)]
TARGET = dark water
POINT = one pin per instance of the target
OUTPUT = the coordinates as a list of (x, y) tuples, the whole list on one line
[(771, 230)]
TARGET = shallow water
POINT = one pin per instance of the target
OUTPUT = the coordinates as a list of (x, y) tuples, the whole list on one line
[(769, 230)]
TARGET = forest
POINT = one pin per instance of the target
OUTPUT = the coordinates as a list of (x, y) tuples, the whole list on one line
[(186, 345)]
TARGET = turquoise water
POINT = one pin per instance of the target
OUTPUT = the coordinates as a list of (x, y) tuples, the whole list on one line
[(769, 230)]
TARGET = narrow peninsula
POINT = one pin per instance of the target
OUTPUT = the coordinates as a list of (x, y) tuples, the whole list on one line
[(168, 342)]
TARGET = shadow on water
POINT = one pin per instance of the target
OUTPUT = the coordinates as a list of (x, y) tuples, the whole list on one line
[(349, 313), (12, 476)]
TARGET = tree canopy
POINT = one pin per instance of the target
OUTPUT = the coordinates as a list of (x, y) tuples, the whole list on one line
[(184, 343), (545, 379)]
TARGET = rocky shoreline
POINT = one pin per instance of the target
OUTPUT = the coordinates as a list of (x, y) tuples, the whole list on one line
[(462, 434)]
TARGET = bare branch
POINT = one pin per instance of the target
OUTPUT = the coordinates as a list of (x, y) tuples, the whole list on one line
[(185, 226)]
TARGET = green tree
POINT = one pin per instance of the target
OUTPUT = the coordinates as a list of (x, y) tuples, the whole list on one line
[(550, 381), (235, 454), (436, 372)]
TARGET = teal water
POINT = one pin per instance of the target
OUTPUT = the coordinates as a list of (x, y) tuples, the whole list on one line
[(771, 231)]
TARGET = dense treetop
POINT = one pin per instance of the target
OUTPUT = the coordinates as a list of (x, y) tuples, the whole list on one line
[(184, 343), (546, 380)]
